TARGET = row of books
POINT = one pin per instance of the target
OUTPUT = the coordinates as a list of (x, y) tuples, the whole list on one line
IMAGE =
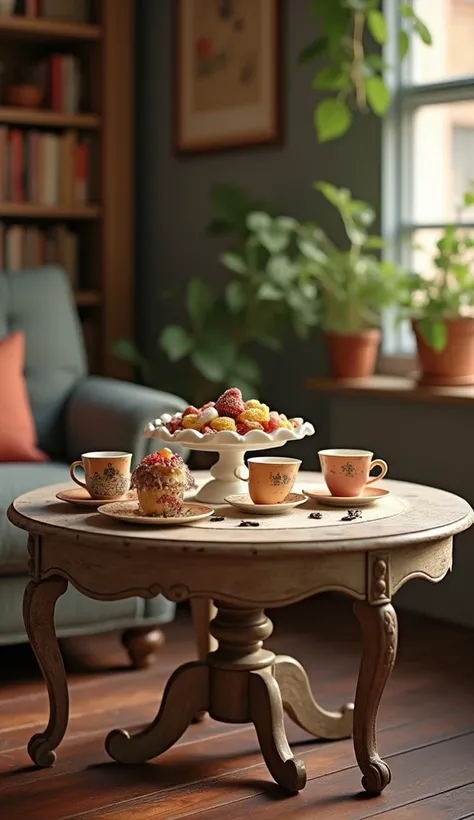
[(71, 11), (60, 78), (28, 246), (46, 168)]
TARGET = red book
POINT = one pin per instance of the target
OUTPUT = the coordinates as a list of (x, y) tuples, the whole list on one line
[(31, 8), (81, 173), (16, 165), (55, 82)]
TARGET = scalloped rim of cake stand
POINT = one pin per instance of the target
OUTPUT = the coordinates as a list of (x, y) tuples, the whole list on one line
[(231, 448)]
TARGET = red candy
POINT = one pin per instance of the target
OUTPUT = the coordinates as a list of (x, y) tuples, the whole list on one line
[(230, 403), (272, 424), (206, 406), (207, 430), (191, 410), (174, 425), (244, 427)]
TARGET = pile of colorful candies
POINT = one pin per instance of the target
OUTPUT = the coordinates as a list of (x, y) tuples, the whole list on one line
[(229, 412)]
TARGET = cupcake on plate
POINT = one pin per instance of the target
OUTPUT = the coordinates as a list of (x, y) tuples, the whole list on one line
[(161, 480)]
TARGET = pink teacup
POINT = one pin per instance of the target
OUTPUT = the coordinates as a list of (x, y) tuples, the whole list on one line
[(347, 472)]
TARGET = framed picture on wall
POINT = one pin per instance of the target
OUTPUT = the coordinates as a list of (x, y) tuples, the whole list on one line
[(227, 74)]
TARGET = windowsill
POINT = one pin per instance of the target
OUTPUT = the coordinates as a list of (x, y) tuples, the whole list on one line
[(393, 387)]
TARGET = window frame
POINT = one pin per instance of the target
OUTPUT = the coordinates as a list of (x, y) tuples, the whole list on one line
[(398, 346)]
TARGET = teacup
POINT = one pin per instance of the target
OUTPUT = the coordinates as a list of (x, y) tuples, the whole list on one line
[(107, 473), (347, 472), (270, 479)]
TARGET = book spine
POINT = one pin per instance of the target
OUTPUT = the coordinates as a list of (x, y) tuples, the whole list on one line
[(55, 82), (3, 162), (16, 165)]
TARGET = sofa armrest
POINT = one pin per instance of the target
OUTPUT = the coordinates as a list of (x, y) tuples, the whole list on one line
[(108, 414)]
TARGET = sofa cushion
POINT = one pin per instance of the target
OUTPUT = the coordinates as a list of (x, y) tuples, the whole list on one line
[(16, 479), (74, 614), (41, 303), (17, 427)]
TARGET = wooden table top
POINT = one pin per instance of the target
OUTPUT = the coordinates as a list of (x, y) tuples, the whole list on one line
[(419, 514)]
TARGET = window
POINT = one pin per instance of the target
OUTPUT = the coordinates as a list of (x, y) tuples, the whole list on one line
[(428, 140)]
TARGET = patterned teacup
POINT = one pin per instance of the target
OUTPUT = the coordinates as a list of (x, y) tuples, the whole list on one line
[(107, 473), (347, 472), (270, 479)]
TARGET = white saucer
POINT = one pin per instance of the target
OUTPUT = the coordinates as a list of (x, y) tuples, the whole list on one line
[(245, 504), (127, 511), (369, 496)]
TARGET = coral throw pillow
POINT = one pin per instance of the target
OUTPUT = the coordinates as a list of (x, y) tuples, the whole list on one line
[(17, 427)]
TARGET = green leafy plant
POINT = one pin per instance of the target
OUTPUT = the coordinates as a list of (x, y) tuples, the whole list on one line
[(352, 74), (355, 284), (447, 292), (265, 294)]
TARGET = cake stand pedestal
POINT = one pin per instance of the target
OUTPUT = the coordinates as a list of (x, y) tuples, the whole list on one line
[(231, 448)]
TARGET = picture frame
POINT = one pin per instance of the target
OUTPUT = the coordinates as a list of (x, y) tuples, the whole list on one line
[(227, 88)]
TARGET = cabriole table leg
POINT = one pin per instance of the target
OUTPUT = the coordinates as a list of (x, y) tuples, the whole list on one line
[(38, 612), (379, 636)]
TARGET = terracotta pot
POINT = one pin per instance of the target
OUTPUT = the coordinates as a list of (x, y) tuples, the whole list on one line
[(24, 96), (353, 355), (455, 364)]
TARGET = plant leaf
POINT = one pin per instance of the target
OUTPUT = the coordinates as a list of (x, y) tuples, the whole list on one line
[(332, 118), (406, 10), (233, 261), (214, 354), (176, 342), (331, 78), (236, 296), (377, 26), (246, 368), (378, 95), (423, 32), (403, 44), (269, 293), (433, 332), (199, 301), (313, 50), (258, 221)]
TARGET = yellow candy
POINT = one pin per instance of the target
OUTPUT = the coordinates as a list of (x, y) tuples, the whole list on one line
[(223, 423), (191, 422), (260, 413), (284, 422), (165, 453), (252, 403)]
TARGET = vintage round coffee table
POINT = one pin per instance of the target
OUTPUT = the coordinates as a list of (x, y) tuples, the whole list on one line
[(244, 570)]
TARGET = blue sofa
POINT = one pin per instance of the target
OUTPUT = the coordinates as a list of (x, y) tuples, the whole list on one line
[(73, 413)]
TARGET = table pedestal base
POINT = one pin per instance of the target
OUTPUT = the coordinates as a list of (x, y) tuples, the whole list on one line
[(239, 683)]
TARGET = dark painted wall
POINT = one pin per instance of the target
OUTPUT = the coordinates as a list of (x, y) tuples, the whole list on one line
[(422, 443)]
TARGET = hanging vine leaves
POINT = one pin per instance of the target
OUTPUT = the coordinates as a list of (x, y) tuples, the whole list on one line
[(353, 78)]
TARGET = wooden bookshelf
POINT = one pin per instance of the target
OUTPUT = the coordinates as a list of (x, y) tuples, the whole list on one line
[(39, 118), (27, 28), (102, 223), (25, 210)]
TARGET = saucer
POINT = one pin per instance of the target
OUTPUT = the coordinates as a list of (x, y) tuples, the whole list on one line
[(81, 497), (127, 511), (369, 496), (244, 502)]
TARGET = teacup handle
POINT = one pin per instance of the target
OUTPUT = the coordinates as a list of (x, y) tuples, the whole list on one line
[(379, 462), (72, 473), (238, 472)]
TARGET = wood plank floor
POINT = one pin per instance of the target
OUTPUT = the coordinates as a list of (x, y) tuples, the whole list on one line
[(426, 732)]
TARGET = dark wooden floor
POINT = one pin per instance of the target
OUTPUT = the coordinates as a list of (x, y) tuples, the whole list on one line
[(426, 731)]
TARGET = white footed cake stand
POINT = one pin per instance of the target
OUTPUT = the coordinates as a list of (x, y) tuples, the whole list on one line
[(231, 448)]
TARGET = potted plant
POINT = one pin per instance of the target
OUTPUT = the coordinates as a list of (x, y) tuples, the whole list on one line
[(355, 284), (266, 295), (441, 307)]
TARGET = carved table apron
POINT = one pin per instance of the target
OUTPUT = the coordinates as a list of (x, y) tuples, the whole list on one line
[(245, 571)]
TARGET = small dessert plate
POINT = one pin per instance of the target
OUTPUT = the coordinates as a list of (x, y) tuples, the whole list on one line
[(368, 496), (81, 497), (128, 512), (245, 504)]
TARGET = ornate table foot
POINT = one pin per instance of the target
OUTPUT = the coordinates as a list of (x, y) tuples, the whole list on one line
[(379, 635), (38, 612), (266, 712), (143, 644), (186, 694), (301, 706)]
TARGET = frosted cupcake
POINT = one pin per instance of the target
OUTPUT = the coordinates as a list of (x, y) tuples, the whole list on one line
[(161, 480)]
